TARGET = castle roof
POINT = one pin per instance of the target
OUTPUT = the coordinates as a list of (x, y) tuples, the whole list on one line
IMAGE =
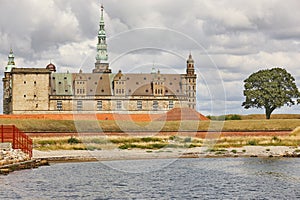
[(30, 71)]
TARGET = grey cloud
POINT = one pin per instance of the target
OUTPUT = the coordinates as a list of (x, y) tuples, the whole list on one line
[(229, 39)]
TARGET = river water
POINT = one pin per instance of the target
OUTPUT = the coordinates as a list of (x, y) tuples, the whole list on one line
[(203, 178)]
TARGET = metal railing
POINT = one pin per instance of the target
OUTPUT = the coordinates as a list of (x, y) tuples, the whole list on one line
[(19, 140)]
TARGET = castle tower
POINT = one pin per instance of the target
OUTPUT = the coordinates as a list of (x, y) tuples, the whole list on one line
[(190, 86), (11, 61), (7, 107), (102, 65)]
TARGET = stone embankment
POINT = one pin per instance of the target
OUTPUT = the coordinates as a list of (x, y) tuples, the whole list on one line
[(14, 159)]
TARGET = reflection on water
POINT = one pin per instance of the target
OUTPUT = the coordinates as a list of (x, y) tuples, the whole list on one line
[(209, 178)]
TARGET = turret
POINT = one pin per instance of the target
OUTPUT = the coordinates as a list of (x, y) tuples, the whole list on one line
[(7, 91), (190, 65), (190, 82), (102, 65), (11, 61)]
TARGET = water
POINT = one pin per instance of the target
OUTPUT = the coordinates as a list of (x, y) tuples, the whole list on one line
[(203, 178)]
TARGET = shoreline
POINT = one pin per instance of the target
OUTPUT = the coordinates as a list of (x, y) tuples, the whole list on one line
[(167, 153)]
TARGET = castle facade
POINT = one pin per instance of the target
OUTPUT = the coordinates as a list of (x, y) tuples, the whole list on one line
[(43, 90)]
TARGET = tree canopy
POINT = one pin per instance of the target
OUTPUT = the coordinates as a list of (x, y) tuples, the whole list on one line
[(270, 89)]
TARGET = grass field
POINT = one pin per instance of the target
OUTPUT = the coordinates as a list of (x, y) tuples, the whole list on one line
[(38, 125)]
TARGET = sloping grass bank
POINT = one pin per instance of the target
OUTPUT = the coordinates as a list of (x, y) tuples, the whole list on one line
[(38, 125)]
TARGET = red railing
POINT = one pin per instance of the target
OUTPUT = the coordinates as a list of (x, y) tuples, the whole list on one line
[(19, 140)]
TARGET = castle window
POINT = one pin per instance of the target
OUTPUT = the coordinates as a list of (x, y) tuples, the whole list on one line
[(24, 82), (119, 105), (171, 104), (128, 78), (89, 78), (147, 91), (96, 83), (79, 105), (53, 78), (167, 91), (145, 78), (137, 83), (91, 90), (155, 105), (139, 105), (59, 82), (34, 82), (129, 90), (34, 96), (117, 82), (24, 95), (99, 105), (171, 83), (102, 91), (101, 78), (66, 90), (59, 105), (65, 78), (36, 105)]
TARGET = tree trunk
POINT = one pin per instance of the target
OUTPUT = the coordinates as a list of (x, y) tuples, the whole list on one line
[(269, 112)]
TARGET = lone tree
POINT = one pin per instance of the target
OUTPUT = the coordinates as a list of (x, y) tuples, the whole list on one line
[(270, 89)]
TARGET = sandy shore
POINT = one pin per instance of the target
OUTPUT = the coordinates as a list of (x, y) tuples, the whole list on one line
[(118, 154)]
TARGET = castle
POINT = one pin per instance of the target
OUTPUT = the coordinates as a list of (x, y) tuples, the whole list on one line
[(42, 90)]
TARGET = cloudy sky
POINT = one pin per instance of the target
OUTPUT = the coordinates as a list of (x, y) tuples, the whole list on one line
[(229, 40)]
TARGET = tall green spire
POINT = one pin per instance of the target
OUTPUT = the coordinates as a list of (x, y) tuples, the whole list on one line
[(102, 56), (11, 61)]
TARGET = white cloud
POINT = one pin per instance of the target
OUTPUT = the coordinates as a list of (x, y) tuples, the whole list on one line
[(229, 39)]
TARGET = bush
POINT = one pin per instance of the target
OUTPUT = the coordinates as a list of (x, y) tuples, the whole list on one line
[(235, 117), (252, 142), (188, 139), (234, 151), (73, 140)]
